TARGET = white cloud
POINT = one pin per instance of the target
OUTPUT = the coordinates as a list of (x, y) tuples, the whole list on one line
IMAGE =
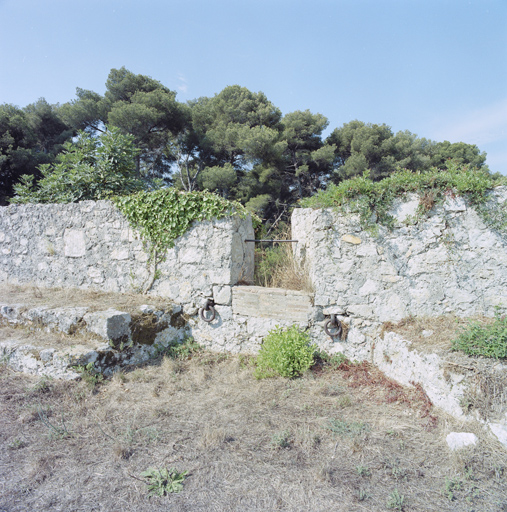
[(480, 126), (183, 86)]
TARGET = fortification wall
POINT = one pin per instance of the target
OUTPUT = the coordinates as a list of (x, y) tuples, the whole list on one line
[(448, 262), (90, 245)]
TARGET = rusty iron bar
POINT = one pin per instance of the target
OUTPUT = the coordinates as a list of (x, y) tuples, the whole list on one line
[(271, 241)]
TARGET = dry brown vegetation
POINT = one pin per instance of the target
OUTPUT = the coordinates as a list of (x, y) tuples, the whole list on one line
[(276, 266), (33, 296), (342, 437)]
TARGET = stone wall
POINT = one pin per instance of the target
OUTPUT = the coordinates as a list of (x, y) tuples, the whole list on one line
[(449, 262), (90, 245)]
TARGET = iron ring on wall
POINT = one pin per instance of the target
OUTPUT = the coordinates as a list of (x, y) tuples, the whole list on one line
[(334, 322), (209, 306)]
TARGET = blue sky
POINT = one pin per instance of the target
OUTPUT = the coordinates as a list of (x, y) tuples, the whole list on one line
[(437, 68)]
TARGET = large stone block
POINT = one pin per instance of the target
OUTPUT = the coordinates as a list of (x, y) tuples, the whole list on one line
[(111, 324)]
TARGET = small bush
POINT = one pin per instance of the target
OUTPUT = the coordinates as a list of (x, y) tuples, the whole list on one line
[(285, 352), (163, 481), (184, 350), (484, 340)]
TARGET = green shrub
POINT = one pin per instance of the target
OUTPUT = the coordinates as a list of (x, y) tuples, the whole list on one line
[(373, 199), (284, 352), (163, 481), (488, 340)]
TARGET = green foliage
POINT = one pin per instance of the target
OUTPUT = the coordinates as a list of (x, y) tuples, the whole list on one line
[(163, 215), (29, 137), (489, 340), (281, 439), (89, 374), (363, 471), (137, 105), (163, 481), (333, 361), (373, 199), (284, 352), (90, 168), (395, 500), (374, 148), (347, 428), (184, 350)]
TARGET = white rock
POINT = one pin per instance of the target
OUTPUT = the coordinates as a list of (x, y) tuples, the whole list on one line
[(457, 440), (500, 432)]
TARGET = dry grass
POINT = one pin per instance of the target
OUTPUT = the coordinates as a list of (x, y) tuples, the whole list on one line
[(276, 267), (34, 296), (341, 439), (488, 393)]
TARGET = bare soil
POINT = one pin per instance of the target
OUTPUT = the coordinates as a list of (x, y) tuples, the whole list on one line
[(340, 438)]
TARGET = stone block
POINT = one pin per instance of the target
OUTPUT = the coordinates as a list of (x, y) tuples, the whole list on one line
[(351, 239), (74, 243), (222, 295), (111, 324)]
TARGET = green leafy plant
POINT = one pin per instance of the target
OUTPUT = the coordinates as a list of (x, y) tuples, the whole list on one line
[(489, 340), (163, 481), (373, 199), (284, 352), (363, 471), (163, 215), (58, 431), (281, 439), (395, 500), (90, 374), (184, 350), (89, 168), (347, 428), (451, 486)]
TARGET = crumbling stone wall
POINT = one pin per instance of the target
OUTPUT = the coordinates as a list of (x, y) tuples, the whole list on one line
[(449, 262), (91, 245)]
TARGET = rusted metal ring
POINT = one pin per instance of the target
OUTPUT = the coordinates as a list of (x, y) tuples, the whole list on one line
[(209, 306), (334, 322)]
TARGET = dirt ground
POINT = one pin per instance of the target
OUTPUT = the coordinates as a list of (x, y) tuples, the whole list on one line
[(342, 437)]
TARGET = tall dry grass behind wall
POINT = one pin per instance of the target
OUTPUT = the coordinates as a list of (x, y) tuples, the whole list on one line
[(276, 266)]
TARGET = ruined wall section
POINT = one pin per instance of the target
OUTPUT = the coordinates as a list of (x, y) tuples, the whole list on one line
[(90, 245), (449, 262)]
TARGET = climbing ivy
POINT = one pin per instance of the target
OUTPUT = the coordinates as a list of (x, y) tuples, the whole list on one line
[(373, 199), (164, 215)]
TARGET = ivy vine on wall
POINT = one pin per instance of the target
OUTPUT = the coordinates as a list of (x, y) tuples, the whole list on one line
[(163, 215)]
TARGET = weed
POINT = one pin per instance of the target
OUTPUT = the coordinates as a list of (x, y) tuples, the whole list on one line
[(89, 374), (284, 352), (347, 428), (163, 481), (451, 486), (488, 340), (281, 439), (58, 431), (363, 495), (16, 444), (43, 385), (344, 401), (397, 472), (184, 350), (395, 500), (373, 200), (363, 471), (277, 267), (334, 362)]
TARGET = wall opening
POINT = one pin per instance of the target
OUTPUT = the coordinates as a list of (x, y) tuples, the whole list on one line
[(276, 265)]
